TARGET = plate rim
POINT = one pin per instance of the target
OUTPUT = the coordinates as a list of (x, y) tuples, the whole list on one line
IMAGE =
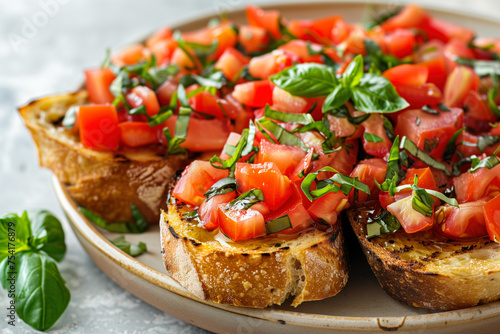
[(437, 320)]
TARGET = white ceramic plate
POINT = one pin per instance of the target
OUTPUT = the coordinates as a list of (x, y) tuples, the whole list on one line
[(361, 307)]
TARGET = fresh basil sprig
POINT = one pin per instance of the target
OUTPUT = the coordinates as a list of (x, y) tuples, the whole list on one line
[(338, 182), (369, 92), (139, 225), (29, 251), (129, 248)]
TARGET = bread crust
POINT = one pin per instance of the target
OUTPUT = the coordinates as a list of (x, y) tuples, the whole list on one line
[(422, 271), (255, 273), (103, 182)]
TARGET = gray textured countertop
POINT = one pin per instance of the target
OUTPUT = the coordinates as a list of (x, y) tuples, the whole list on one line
[(47, 59)]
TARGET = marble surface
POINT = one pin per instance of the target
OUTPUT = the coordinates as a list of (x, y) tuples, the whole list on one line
[(48, 58)]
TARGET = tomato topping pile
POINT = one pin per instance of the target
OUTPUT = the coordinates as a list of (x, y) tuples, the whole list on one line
[(312, 117)]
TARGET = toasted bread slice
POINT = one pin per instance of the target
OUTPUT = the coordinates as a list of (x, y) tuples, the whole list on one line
[(103, 182), (423, 270), (253, 273)]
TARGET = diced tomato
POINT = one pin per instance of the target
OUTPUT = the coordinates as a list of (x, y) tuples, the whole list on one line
[(203, 134), (226, 38), (477, 107), (459, 83), (142, 95), (342, 126), (269, 20), (344, 159), (340, 31), (302, 49), (418, 96), (97, 82), (232, 140), (163, 50), (186, 64), (231, 63), (162, 34), (355, 41), (400, 43), (385, 199), (368, 171), (437, 72), (254, 94), (467, 221), (375, 125), (267, 177), (453, 49), (445, 31), (328, 207), (285, 157), (411, 16), (411, 220), (262, 67), (428, 51), (314, 30), (474, 186), (195, 181), (132, 55), (166, 91), (209, 210), (302, 167), (492, 217), (243, 115), (286, 102), (136, 134), (425, 181), (407, 75), (241, 224), (432, 132), (253, 39), (294, 208), (98, 125), (212, 105)]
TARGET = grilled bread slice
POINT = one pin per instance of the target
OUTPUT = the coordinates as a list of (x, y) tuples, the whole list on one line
[(424, 270), (252, 273), (103, 182)]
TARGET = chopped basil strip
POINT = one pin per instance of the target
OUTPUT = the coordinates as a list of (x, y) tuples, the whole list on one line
[(282, 136), (288, 117), (331, 143), (381, 18), (278, 224), (422, 201), (442, 197), (384, 223), (486, 141), (343, 112), (389, 129), (413, 149), (70, 117), (458, 165), (451, 147), (428, 109), (376, 61), (217, 162), (246, 200), (161, 117), (138, 226), (393, 171), (481, 67), (181, 130), (190, 215), (307, 80), (221, 187), (488, 162), (372, 138), (442, 107), (324, 187), (248, 148), (181, 96), (215, 79), (129, 248)]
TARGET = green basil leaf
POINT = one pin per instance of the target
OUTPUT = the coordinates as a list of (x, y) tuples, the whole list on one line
[(70, 117), (158, 75), (337, 98), (48, 234), (486, 141), (246, 200), (384, 223), (393, 170), (376, 94), (458, 165), (181, 96), (389, 129), (41, 293), (190, 215), (428, 109), (372, 138), (248, 148), (421, 200), (451, 147), (481, 67), (231, 162), (129, 248), (278, 224), (413, 149), (160, 117), (288, 117), (138, 226), (307, 80), (15, 234), (216, 79), (488, 162), (140, 110), (221, 187), (442, 107), (442, 197), (282, 136), (354, 72)]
